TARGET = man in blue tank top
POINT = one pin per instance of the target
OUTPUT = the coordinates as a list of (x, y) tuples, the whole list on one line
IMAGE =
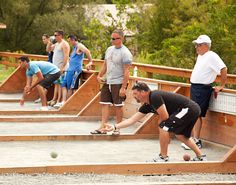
[(71, 80)]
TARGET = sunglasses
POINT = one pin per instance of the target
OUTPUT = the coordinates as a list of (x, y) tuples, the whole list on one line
[(199, 45), (115, 38), (136, 86), (55, 35)]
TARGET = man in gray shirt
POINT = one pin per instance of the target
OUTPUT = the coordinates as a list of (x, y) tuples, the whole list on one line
[(118, 60)]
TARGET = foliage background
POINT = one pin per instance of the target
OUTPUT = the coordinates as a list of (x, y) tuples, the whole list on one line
[(164, 29)]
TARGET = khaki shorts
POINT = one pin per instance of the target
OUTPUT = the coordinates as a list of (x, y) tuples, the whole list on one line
[(110, 95)]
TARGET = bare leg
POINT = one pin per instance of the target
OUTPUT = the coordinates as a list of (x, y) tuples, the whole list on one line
[(197, 128), (190, 144), (64, 94), (164, 138), (42, 94), (59, 93), (119, 114), (69, 93), (55, 92), (105, 115)]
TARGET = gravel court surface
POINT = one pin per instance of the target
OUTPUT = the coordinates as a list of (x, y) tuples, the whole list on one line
[(57, 128), (37, 153), (112, 179)]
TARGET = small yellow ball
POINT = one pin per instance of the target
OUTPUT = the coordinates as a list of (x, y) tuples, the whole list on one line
[(53, 155)]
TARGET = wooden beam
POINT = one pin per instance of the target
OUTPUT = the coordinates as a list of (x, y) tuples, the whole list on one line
[(131, 169), (231, 155), (171, 183), (149, 126), (44, 137), (82, 96), (15, 83), (149, 69)]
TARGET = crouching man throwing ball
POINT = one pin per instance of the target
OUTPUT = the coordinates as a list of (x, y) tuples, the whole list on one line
[(46, 74), (177, 114)]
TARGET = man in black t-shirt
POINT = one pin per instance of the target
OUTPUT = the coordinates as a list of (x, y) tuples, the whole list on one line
[(177, 114)]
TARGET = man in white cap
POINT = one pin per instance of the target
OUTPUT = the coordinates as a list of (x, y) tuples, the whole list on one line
[(207, 67)]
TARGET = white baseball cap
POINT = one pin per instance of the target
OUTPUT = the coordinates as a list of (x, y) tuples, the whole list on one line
[(202, 39)]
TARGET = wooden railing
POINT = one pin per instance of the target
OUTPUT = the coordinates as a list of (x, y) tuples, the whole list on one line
[(150, 70)]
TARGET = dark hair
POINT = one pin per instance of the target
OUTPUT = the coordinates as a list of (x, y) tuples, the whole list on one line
[(45, 35), (24, 58), (72, 37), (140, 86), (61, 32)]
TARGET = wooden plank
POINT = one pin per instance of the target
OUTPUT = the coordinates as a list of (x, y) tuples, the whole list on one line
[(15, 83), (45, 118), (18, 55), (218, 133), (92, 108), (185, 91), (44, 137), (231, 155), (82, 96), (168, 183), (149, 126), (167, 87), (149, 69), (131, 169), (219, 128)]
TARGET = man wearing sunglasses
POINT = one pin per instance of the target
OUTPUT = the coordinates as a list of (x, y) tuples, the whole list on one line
[(116, 67), (177, 114), (60, 58), (207, 67)]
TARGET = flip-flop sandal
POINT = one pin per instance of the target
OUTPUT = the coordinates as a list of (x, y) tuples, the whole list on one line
[(116, 132), (97, 132)]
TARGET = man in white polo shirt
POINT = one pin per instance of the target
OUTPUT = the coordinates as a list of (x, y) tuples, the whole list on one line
[(207, 67)]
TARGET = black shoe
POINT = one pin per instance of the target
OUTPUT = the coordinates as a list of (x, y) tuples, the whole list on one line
[(198, 142)]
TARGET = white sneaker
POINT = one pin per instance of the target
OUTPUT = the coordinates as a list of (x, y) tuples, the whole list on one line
[(184, 146), (38, 100), (58, 105), (200, 158), (44, 108), (160, 158)]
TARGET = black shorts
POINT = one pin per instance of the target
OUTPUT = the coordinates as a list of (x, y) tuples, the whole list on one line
[(49, 79), (182, 121), (110, 95), (201, 94)]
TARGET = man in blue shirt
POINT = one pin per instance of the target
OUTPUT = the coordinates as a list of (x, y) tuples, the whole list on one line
[(46, 74), (71, 80)]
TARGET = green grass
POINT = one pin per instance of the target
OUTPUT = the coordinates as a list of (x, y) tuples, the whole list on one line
[(5, 72)]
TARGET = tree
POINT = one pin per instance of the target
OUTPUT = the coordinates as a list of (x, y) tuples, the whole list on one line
[(27, 20)]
